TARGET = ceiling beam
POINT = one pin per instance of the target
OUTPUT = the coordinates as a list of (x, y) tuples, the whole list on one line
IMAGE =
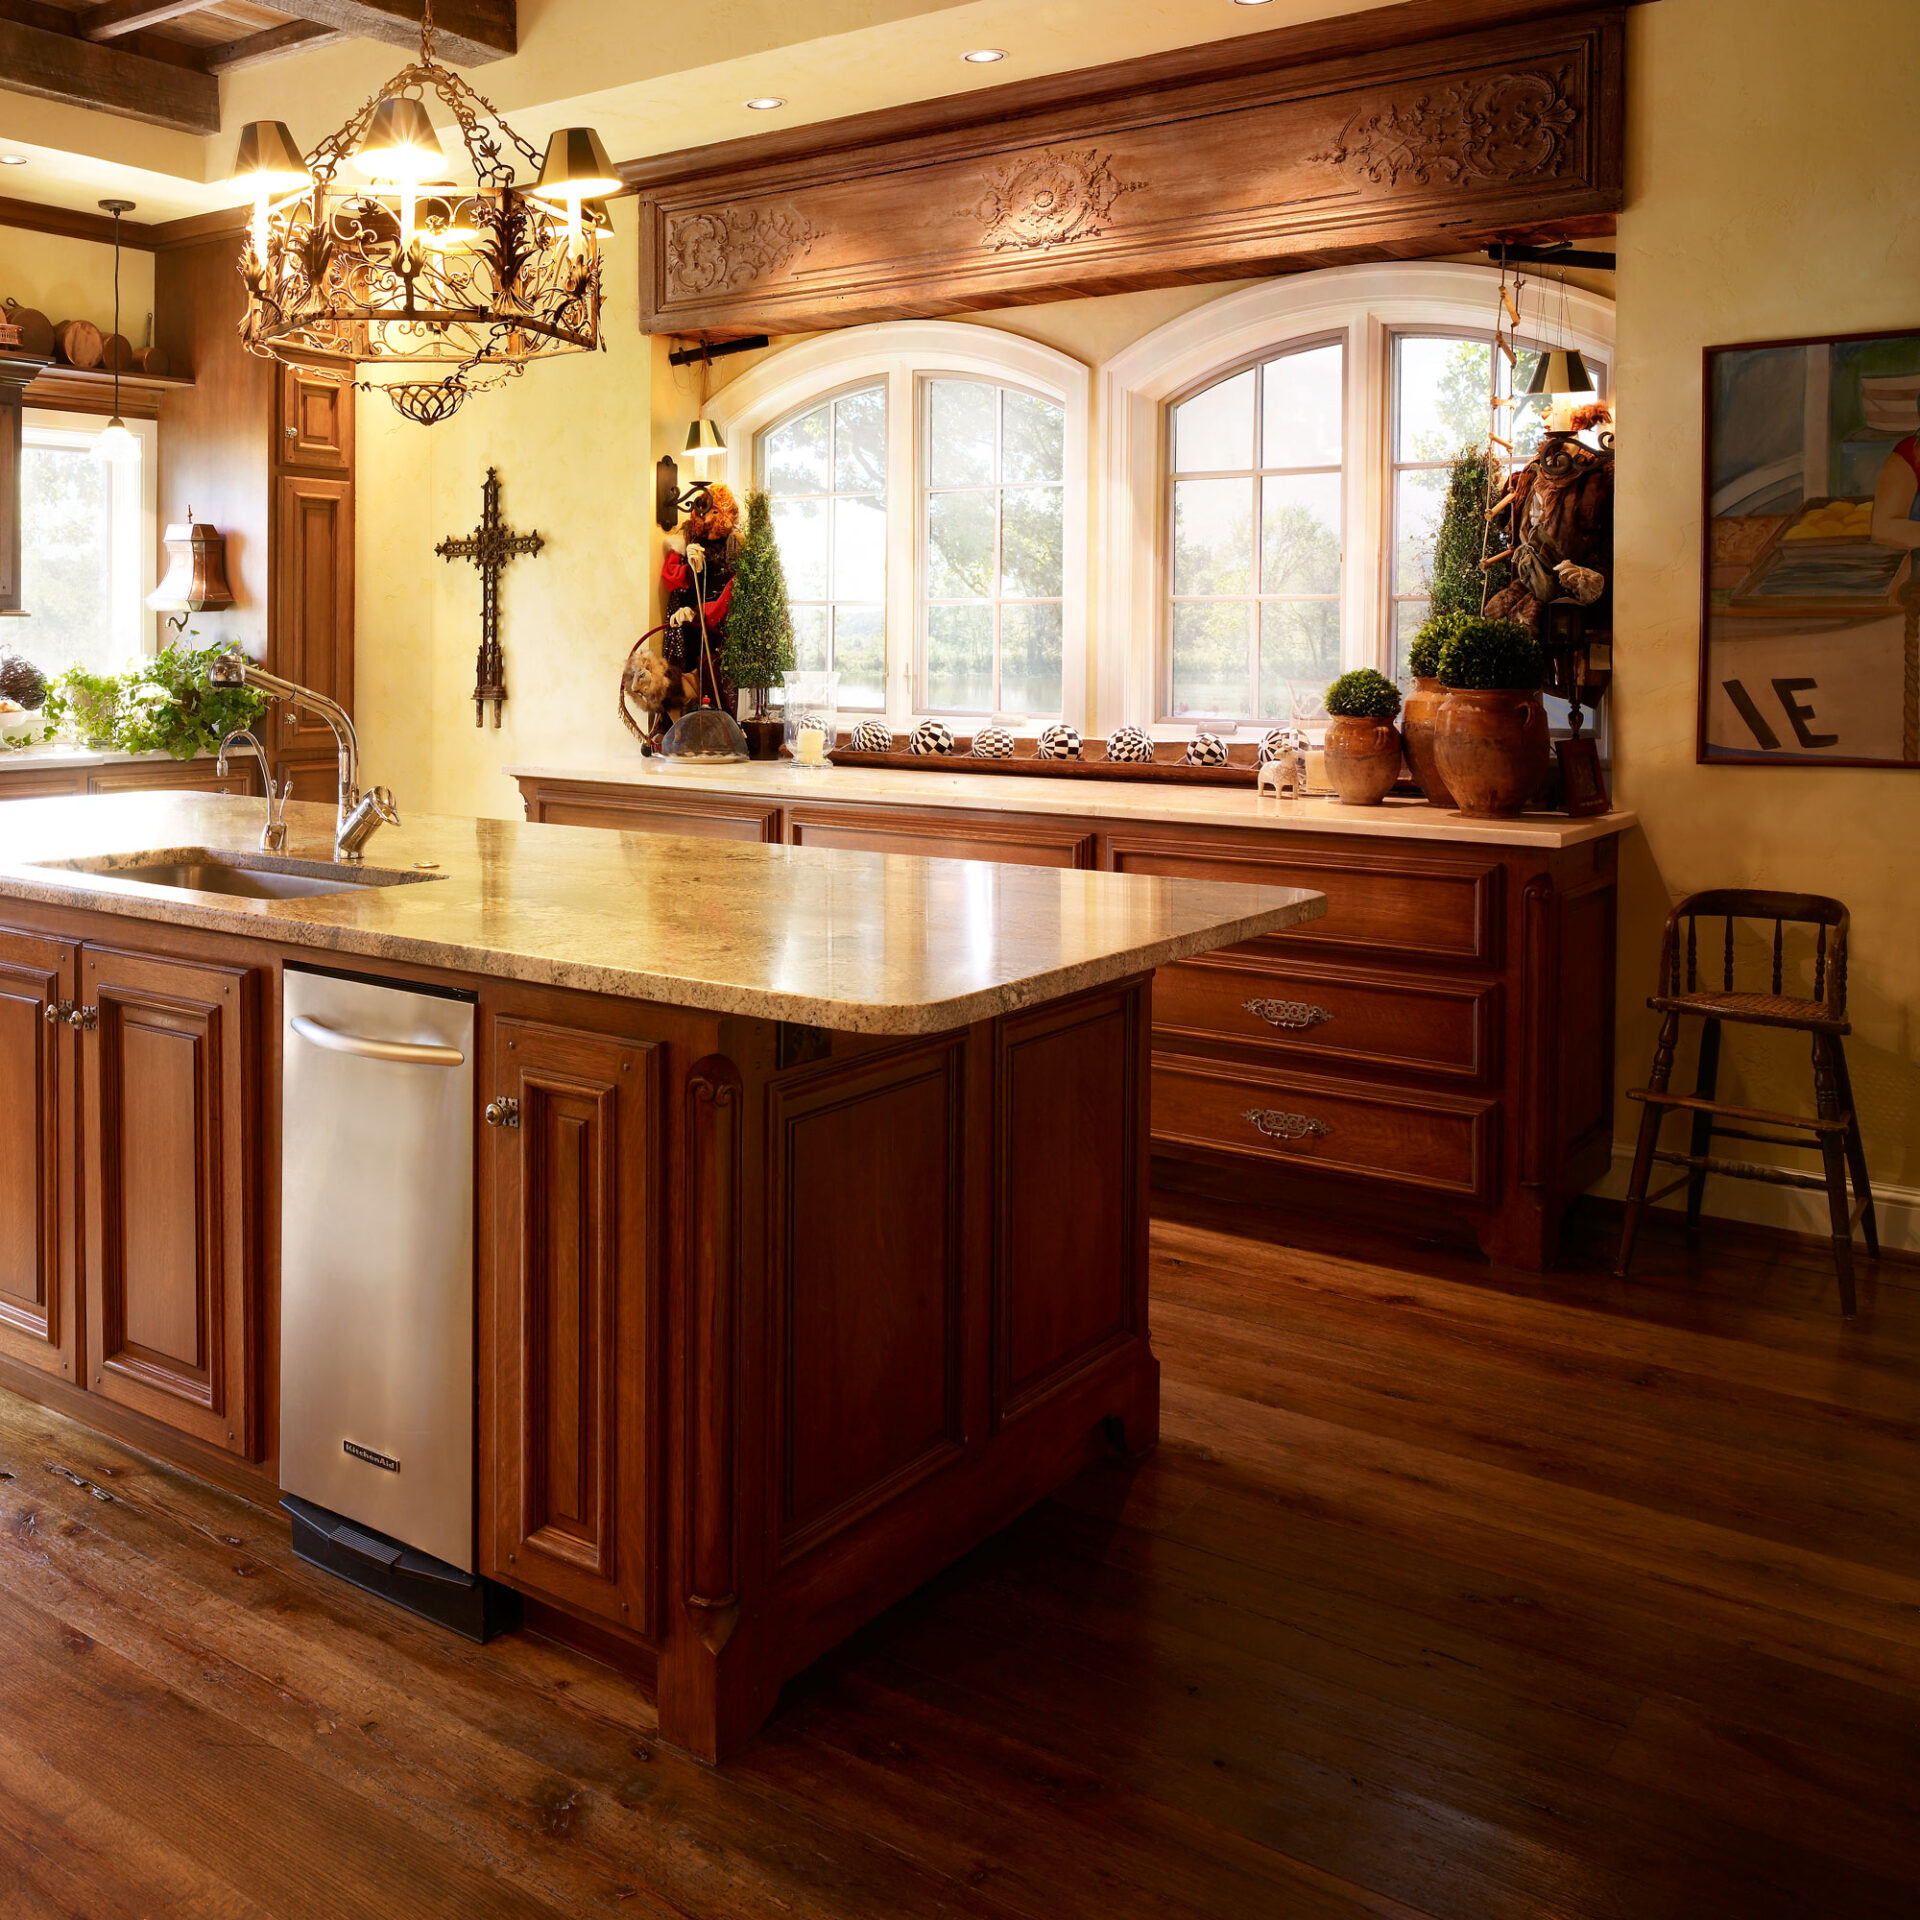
[(116, 18), (73, 224), (468, 33), (76, 72), (270, 43)]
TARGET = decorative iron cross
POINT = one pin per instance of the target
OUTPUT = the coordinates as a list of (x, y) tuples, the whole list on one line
[(489, 546)]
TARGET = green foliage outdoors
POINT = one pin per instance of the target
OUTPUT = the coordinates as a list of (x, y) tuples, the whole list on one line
[(760, 623), (1480, 655), (168, 704), (1364, 693)]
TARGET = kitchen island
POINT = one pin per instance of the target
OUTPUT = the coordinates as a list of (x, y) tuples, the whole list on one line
[(808, 1188)]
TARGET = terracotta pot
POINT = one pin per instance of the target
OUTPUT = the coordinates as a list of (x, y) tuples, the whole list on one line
[(1417, 721), (1492, 749), (764, 738), (1363, 758)]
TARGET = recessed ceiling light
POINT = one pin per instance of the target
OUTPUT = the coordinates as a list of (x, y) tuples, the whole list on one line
[(13, 159), (985, 56), (1249, 3), (765, 103)]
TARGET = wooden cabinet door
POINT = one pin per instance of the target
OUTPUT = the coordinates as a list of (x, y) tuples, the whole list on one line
[(170, 1166), (568, 1306), (316, 421), (312, 614), (39, 1321)]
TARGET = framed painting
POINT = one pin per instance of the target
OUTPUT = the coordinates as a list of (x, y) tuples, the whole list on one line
[(1810, 609)]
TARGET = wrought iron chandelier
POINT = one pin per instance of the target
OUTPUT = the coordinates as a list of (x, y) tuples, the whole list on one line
[(434, 289)]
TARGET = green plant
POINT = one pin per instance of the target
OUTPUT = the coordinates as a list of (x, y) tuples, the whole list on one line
[(759, 624), (1365, 694), (1423, 650), (84, 705), (1480, 655), (1459, 586), (169, 704)]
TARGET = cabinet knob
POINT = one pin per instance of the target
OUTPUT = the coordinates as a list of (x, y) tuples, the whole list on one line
[(1286, 1126), (56, 1011), (1294, 1015), (504, 1112), (86, 1019)]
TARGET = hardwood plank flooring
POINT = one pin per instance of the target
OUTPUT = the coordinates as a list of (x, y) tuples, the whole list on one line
[(1451, 1594)]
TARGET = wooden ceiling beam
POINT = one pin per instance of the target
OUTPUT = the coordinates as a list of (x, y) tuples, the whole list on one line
[(270, 43), (468, 33), (114, 19), (108, 79)]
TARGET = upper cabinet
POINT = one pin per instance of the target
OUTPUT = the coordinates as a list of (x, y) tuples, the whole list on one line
[(316, 421), (15, 371)]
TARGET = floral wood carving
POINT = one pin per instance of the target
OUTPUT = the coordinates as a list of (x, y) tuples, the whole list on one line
[(724, 248), (1044, 200), (1514, 126)]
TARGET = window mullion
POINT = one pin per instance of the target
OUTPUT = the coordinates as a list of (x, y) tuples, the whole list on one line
[(906, 534)]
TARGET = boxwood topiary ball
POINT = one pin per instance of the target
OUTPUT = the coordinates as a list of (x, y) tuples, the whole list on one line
[(872, 736), (993, 743), (1205, 750), (1058, 742), (1129, 746), (930, 737)]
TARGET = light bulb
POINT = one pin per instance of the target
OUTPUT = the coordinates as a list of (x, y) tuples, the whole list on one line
[(116, 442)]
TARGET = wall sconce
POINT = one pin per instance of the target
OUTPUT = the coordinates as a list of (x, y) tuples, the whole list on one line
[(196, 580)]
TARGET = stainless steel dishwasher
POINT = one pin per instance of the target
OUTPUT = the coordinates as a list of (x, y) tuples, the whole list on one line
[(377, 1289)]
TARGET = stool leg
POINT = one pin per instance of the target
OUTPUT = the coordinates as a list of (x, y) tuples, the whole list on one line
[(1856, 1150), (1651, 1115), (1826, 1094), (1704, 1082)]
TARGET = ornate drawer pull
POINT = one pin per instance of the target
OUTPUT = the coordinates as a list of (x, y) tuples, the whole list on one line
[(1295, 1015), (504, 1112), (1286, 1126)]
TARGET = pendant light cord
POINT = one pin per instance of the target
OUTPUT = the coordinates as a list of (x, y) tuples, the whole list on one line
[(116, 313)]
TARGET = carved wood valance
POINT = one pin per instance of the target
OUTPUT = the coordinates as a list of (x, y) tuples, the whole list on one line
[(1146, 174)]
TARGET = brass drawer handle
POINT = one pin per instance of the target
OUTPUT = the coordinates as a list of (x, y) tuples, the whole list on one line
[(1295, 1015), (1286, 1126), (504, 1112)]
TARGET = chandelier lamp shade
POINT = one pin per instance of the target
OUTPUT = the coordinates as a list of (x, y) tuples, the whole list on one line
[(438, 269), (1561, 372)]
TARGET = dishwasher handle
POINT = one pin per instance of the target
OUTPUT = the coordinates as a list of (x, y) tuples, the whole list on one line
[(403, 1052)]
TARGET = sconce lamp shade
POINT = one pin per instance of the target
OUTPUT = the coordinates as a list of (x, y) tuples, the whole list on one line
[(703, 443), (196, 579), (400, 144), (576, 169), (1561, 371), (268, 160)]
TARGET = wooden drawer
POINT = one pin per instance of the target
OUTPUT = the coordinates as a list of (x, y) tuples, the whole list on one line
[(1004, 837), (1433, 1142), (1396, 906), (698, 817), (183, 776), (34, 783), (1344, 1016)]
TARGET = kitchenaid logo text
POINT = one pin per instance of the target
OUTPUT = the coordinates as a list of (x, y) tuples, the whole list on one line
[(370, 1457)]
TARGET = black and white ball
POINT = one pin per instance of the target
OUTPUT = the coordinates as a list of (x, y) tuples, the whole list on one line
[(1273, 745), (1205, 750), (993, 743), (1058, 742), (1128, 746), (930, 737), (872, 736)]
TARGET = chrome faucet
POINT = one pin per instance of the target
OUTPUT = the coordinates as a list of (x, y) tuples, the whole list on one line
[(273, 836), (360, 815)]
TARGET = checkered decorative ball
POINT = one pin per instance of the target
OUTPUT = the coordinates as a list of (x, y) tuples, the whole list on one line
[(1128, 745), (1205, 750), (872, 736), (930, 737), (1058, 742), (993, 743), (1273, 745)]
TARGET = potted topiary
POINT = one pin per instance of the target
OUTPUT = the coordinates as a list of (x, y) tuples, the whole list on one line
[(1422, 710), (1362, 746), (760, 627), (1490, 739)]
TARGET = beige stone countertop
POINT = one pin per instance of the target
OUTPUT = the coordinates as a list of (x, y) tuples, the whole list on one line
[(861, 942), (1096, 800)]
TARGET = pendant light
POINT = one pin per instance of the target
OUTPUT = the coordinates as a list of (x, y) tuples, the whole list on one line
[(117, 443)]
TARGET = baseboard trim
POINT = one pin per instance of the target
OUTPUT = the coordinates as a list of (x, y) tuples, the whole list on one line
[(1791, 1209)]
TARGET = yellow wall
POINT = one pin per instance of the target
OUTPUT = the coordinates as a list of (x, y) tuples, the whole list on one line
[(73, 280), (1772, 183)]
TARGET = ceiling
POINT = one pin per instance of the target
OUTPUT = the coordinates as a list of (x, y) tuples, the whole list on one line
[(649, 84)]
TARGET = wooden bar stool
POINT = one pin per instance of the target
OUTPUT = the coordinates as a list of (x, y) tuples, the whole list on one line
[(1834, 1129)]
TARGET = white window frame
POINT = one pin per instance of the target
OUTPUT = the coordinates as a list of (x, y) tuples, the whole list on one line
[(904, 353), (1368, 305), (136, 544)]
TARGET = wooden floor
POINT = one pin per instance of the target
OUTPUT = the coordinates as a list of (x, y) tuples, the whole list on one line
[(1449, 1593)]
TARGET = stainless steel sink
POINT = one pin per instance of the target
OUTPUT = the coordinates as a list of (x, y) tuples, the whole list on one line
[(247, 876)]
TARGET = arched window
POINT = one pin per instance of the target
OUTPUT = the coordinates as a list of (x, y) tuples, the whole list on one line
[(1275, 467), (928, 482)]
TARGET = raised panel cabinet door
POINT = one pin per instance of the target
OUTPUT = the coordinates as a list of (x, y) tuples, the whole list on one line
[(310, 639), (316, 421), (568, 1317), (170, 1060), (39, 1321)]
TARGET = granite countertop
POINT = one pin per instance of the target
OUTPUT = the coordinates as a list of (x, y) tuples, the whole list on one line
[(781, 780), (861, 942), (59, 754)]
